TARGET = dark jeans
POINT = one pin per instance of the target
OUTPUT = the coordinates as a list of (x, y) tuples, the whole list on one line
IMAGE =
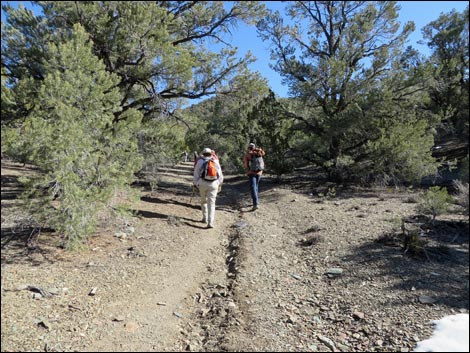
[(254, 182)]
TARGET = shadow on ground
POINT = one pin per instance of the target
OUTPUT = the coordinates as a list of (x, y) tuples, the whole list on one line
[(442, 274)]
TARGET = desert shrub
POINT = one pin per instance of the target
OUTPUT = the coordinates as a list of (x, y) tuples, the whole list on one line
[(331, 193), (402, 154), (413, 244), (434, 202)]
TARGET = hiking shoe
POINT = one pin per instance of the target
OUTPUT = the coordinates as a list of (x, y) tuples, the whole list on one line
[(204, 220), (255, 207), (210, 226)]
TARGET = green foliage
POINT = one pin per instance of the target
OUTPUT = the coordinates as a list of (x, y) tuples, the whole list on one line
[(356, 90), (403, 152), (161, 143), (12, 146), (70, 136), (396, 223), (78, 114), (331, 193), (448, 39), (413, 244), (434, 202), (7, 98), (273, 130), (330, 71), (225, 123), (157, 49), (412, 241)]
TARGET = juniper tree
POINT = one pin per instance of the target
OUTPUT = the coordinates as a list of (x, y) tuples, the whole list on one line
[(158, 49), (448, 39), (82, 155), (334, 57)]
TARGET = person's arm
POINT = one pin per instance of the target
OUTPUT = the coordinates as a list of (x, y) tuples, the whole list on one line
[(261, 152), (219, 173), (246, 160)]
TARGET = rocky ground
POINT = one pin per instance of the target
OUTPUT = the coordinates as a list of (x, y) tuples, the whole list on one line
[(308, 271)]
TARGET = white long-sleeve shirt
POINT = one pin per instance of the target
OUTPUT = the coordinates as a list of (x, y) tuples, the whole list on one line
[(198, 169)]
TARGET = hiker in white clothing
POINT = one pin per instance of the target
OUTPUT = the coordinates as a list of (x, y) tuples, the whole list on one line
[(208, 178)]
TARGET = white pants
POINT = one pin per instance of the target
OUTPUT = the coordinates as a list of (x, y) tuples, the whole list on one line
[(208, 191)]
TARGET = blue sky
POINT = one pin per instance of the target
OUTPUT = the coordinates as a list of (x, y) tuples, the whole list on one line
[(245, 37), (420, 12)]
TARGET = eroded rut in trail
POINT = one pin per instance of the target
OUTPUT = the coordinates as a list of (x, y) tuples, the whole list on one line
[(200, 294), (216, 306)]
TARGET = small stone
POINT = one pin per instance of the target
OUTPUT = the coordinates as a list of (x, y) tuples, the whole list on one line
[(424, 299), (329, 343), (335, 271), (358, 315)]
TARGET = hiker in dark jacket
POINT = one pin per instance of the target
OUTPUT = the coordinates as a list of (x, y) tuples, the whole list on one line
[(253, 175)]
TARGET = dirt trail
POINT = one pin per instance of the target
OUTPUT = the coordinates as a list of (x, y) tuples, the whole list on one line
[(145, 281), (256, 282), (161, 296)]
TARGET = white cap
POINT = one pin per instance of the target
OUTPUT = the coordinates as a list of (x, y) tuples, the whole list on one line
[(206, 150), (251, 145)]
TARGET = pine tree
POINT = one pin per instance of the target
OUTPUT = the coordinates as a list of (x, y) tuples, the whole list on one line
[(83, 157)]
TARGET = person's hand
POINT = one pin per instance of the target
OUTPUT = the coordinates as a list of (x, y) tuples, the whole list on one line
[(195, 188), (220, 188)]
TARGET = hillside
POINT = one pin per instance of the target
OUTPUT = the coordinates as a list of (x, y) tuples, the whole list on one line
[(302, 273)]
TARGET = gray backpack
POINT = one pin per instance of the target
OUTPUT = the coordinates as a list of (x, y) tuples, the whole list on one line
[(256, 163)]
